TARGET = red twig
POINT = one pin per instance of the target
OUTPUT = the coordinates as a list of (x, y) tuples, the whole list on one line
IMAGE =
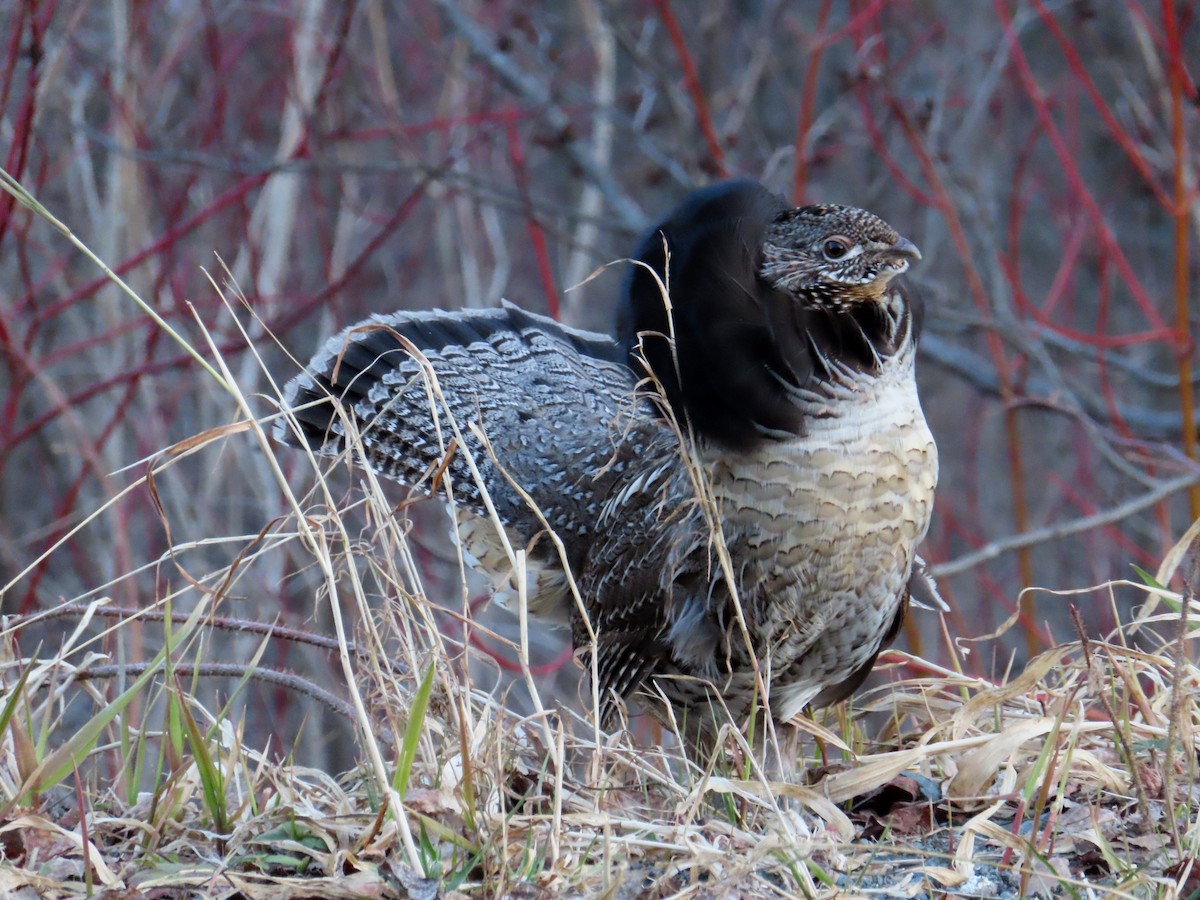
[(508, 665), (1070, 170), (537, 236), (856, 23), (296, 312), (1187, 399), (691, 80), (808, 98), (1004, 368), (1124, 140), (867, 116), (22, 121)]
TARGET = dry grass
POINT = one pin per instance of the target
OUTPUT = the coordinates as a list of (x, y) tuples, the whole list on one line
[(1078, 772), (121, 777), (374, 156)]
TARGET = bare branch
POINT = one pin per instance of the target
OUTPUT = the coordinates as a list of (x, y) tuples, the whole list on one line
[(1064, 529), (535, 92)]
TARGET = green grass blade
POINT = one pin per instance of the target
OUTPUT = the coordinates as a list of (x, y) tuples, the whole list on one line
[(1146, 577), (14, 697), (1152, 582), (65, 759), (412, 731), (212, 780)]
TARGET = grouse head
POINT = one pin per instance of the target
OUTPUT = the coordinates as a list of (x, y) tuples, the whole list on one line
[(736, 300), (833, 257)]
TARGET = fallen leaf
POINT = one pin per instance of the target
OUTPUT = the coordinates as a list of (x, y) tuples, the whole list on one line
[(1187, 873), (912, 819)]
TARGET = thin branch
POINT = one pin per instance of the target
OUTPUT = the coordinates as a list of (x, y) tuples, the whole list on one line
[(976, 370), (223, 623), (1064, 529), (278, 677), (482, 44)]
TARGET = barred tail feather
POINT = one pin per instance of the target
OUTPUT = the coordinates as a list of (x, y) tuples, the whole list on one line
[(546, 396)]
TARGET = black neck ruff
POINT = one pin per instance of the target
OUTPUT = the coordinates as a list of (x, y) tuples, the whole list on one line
[(742, 346)]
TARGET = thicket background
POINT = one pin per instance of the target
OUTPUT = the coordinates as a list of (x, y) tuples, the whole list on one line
[(342, 158)]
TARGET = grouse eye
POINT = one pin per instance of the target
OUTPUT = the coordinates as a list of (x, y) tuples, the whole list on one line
[(835, 248)]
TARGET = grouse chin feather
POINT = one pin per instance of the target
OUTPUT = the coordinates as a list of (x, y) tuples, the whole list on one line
[(763, 365)]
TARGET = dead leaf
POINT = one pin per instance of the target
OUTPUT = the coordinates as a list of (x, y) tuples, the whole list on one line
[(913, 818), (1151, 779), (978, 768), (903, 788), (1187, 873), (437, 804), (1047, 880), (1091, 864), (943, 876)]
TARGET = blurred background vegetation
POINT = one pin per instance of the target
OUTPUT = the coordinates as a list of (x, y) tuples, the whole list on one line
[(334, 159)]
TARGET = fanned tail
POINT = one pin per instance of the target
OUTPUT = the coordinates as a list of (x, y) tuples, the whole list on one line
[(547, 397)]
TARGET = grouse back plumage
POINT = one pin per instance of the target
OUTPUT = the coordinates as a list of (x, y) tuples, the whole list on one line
[(784, 427), (525, 400)]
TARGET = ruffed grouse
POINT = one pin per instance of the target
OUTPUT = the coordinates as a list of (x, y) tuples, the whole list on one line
[(781, 423)]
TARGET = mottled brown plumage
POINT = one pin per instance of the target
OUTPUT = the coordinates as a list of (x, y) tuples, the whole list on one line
[(804, 450)]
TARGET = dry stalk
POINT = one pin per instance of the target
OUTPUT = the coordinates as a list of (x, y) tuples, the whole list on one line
[(1143, 798)]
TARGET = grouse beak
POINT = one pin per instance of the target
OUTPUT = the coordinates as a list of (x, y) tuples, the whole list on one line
[(904, 249)]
